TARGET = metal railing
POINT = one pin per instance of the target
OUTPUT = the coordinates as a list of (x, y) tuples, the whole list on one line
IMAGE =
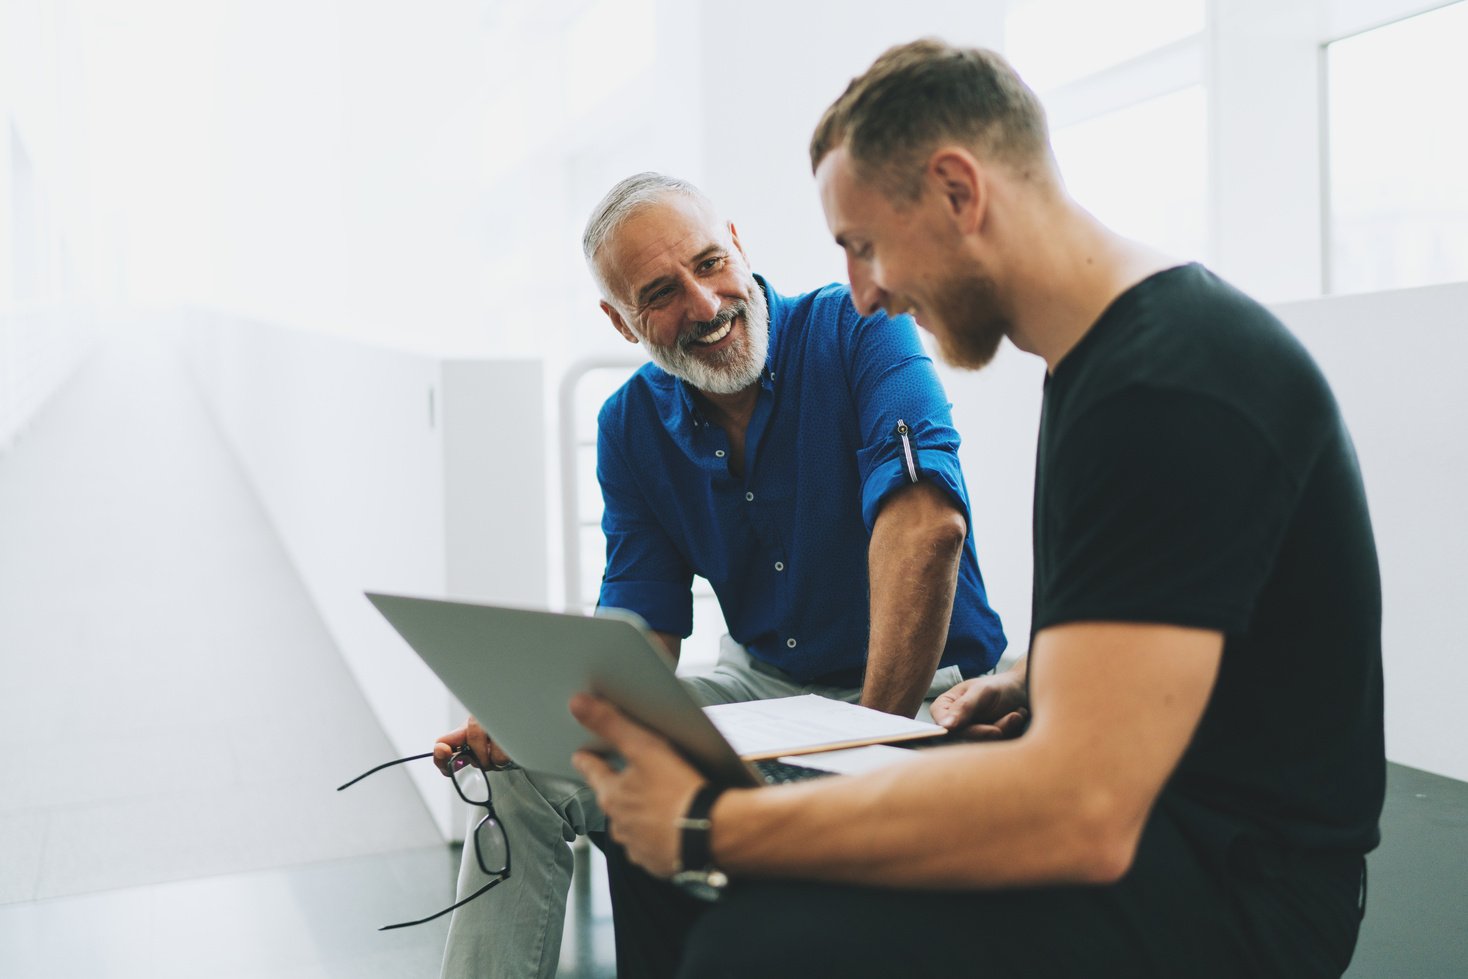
[(571, 444)]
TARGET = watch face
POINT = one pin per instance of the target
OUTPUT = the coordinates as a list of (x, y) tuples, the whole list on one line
[(706, 885)]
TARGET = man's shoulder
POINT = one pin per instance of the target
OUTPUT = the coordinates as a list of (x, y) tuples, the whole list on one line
[(1187, 329), (827, 306), (643, 393), (826, 322), (1190, 339)]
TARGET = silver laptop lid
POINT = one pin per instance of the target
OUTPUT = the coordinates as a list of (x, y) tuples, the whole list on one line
[(516, 670)]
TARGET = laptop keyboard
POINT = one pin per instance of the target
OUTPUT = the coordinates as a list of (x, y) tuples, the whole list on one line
[(775, 772)]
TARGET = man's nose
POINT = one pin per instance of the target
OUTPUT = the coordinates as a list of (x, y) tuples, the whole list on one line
[(704, 303), (866, 295)]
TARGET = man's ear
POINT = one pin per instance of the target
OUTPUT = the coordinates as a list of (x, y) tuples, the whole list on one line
[(618, 322), (962, 182)]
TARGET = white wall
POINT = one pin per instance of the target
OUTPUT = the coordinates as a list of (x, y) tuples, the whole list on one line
[(769, 69), (1266, 137), (47, 317), (384, 470), (997, 414)]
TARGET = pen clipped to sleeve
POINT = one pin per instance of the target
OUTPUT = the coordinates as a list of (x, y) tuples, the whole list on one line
[(909, 460)]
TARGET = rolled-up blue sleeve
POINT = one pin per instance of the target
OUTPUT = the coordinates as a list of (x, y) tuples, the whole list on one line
[(938, 466), (645, 572), (893, 380)]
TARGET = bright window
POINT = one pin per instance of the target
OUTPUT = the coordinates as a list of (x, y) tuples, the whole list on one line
[(1398, 154)]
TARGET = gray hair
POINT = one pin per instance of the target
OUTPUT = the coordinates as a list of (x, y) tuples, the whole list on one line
[(629, 195)]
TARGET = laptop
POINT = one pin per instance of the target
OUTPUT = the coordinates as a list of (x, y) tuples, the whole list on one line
[(516, 670)]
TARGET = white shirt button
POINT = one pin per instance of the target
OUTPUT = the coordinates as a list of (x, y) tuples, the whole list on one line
[(790, 643), (749, 497), (719, 453), (779, 565)]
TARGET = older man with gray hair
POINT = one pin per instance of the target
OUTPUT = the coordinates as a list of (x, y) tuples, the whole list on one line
[(797, 455)]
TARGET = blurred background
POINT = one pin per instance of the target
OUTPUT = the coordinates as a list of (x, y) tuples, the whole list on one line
[(292, 305)]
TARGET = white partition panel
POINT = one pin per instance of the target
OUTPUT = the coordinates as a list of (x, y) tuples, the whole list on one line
[(1395, 360), (389, 471)]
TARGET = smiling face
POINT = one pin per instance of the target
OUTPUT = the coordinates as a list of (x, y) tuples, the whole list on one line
[(677, 280), (912, 257)]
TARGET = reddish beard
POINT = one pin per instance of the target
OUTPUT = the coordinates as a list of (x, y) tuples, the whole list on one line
[(972, 323)]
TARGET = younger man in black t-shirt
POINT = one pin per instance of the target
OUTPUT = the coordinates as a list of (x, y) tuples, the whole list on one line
[(1202, 770)]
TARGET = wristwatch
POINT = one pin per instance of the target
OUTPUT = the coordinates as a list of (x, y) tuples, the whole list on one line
[(695, 873)]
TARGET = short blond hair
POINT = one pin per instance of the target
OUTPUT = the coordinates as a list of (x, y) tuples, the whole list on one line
[(920, 94)]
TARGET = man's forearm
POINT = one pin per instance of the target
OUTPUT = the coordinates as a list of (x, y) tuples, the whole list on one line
[(913, 560), (989, 805), (1066, 803)]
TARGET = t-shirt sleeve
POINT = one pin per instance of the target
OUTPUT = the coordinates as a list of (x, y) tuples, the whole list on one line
[(1159, 506), (892, 381), (645, 573)]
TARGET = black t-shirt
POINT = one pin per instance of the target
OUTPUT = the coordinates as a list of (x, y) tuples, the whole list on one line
[(1194, 470)]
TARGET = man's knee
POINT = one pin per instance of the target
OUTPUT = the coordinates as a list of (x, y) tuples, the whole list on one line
[(544, 800)]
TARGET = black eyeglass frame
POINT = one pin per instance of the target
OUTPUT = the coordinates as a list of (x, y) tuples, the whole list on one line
[(461, 758)]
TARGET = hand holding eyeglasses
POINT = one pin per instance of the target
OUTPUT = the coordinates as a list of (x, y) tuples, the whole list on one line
[(487, 754), (491, 845)]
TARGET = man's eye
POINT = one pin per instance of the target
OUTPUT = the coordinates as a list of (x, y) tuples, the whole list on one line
[(709, 264)]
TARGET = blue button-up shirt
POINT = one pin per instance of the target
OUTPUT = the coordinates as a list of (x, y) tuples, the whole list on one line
[(785, 545)]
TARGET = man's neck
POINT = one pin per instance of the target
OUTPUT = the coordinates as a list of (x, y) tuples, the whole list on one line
[(1074, 269), (731, 412)]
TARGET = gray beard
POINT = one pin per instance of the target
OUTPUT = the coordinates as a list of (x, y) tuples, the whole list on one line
[(732, 370)]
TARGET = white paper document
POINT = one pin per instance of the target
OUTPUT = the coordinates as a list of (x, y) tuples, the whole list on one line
[(796, 725), (854, 761)]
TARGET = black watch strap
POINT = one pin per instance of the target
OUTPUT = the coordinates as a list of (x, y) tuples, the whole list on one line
[(697, 853)]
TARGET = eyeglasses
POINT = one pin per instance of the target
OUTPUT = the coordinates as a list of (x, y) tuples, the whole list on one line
[(491, 845)]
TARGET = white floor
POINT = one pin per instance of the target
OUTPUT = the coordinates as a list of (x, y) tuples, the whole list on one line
[(317, 920), (171, 707)]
